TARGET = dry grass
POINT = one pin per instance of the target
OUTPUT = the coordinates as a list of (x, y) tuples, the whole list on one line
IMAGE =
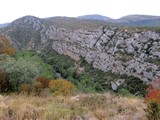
[(89, 107)]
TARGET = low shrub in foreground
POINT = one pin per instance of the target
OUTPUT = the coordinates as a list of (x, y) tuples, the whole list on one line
[(62, 87), (38, 88), (44, 81), (26, 89), (153, 101)]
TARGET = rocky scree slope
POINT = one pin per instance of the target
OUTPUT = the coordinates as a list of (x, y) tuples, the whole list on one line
[(121, 50)]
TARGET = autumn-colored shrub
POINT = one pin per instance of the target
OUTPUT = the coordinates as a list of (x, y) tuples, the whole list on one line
[(44, 81), (63, 87), (153, 91), (5, 46), (153, 101), (38, 87)]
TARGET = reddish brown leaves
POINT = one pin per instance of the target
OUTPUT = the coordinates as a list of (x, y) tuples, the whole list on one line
[(44, 81), (153, 92), (5, 46)]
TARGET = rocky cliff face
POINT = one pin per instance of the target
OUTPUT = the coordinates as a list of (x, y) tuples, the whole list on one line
[(122, 50), (111, 49)]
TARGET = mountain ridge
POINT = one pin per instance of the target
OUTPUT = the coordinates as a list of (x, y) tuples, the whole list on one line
[(128, 20), (94, 17), (131, 20), (122, 50), (138, 17)]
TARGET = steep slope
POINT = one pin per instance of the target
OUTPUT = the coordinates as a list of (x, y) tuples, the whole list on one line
[(121, 50), (25, 33)]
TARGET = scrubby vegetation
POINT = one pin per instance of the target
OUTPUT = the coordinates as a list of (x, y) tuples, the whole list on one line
[(27, 68), (50, 96), (61, 87), (24, 68), (89, 79), (30, 56)]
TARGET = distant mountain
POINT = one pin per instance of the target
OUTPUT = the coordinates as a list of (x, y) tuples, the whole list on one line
[(139, 20), (73, 23), (134, 18), (143, 23), (94, 17), (4, 25), (130, 20)]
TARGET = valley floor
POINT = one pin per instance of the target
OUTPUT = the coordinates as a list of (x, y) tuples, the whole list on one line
[(79, 107)]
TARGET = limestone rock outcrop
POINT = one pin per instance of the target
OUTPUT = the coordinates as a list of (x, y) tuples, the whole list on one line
[(122, 50)]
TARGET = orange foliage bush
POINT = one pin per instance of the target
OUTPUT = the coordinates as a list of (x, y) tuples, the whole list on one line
[(44, 81), (63, 87), (5, 46), (153, 101), (153, 91)]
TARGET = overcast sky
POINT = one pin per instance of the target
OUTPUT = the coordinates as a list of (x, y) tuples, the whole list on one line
[(12, 9)]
